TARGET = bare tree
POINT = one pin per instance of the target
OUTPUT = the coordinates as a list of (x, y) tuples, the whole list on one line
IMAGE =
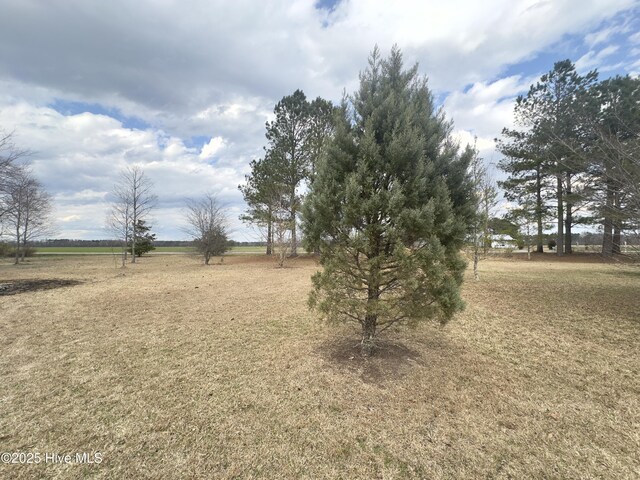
[(119, 220), (283, 237), (524, 216), (133, 200), (10, 168), (207, 224), (485, 194), (29, 210)]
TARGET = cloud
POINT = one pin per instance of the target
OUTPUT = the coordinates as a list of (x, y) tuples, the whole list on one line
[(486, 107), (201, 81), (167, 62), (78, 159), (213, 147), (593, 59)]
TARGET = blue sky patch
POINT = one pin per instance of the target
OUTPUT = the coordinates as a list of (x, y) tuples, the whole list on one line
[(68, 108)]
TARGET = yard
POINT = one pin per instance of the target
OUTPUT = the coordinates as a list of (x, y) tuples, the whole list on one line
[(171, 369)]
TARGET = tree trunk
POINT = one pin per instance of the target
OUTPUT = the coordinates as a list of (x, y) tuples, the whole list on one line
[(540, 233), (370, 319), (568, 219), (476, 275), (369, 334), (294, 239), (607, 224), (485, 227), (133, 245), (269, 234), (560, 239), (17, 246), (617, 234)]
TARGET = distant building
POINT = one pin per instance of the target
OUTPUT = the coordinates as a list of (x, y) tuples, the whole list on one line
[(503, 241)]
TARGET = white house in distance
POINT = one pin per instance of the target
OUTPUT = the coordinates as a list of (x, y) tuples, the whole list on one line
[(503, 241)]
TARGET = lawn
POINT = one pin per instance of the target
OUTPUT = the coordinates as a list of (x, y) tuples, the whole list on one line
[(172, 369)]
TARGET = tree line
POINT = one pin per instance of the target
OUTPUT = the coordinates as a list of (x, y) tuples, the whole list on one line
[(574, 156)]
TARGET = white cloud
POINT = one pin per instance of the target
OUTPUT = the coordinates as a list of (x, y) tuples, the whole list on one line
[(78, 158), (214, 146), (593, 59), (486, 107), (603, 35), (214, 70)]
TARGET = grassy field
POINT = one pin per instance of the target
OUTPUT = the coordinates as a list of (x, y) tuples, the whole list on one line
[(88, 250), (116, 250), (171, 369)]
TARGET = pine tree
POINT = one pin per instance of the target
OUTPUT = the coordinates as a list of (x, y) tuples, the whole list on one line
[(290, 146), (549, 111), (612, 124), (264, 192), (143, 239), (389, 206), (529, 175), (296, 139)]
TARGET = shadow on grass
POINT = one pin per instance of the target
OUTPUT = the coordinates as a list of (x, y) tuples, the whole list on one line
[(14, 287), (389, 361)]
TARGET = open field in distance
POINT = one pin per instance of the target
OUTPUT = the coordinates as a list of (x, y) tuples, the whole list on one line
[(170, 368), (117, 250)]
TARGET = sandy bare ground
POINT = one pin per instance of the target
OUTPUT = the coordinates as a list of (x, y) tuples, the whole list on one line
[(170, 369)]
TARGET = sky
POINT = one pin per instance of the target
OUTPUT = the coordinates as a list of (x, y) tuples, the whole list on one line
[(183, 88)]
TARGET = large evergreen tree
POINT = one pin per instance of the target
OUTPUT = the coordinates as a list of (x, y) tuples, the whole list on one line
[(549, 112), (264, 191), (612, 126), (389, 206), (296, 137), (528, 170), (290, 146)]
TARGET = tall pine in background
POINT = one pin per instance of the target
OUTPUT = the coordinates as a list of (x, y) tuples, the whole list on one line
[(389, 206), (274, 189)]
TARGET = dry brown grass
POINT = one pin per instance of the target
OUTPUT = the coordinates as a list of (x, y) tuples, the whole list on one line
[(176, 370)]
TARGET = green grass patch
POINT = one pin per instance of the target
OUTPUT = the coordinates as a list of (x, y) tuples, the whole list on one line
[(117, 250), (90, 250)]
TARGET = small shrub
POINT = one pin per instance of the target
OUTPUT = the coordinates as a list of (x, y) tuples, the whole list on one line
[(551, 244), (11, 251), (520, 244)]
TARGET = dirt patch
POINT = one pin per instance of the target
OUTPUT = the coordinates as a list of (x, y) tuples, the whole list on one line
[(13, 287), (389, 361)]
